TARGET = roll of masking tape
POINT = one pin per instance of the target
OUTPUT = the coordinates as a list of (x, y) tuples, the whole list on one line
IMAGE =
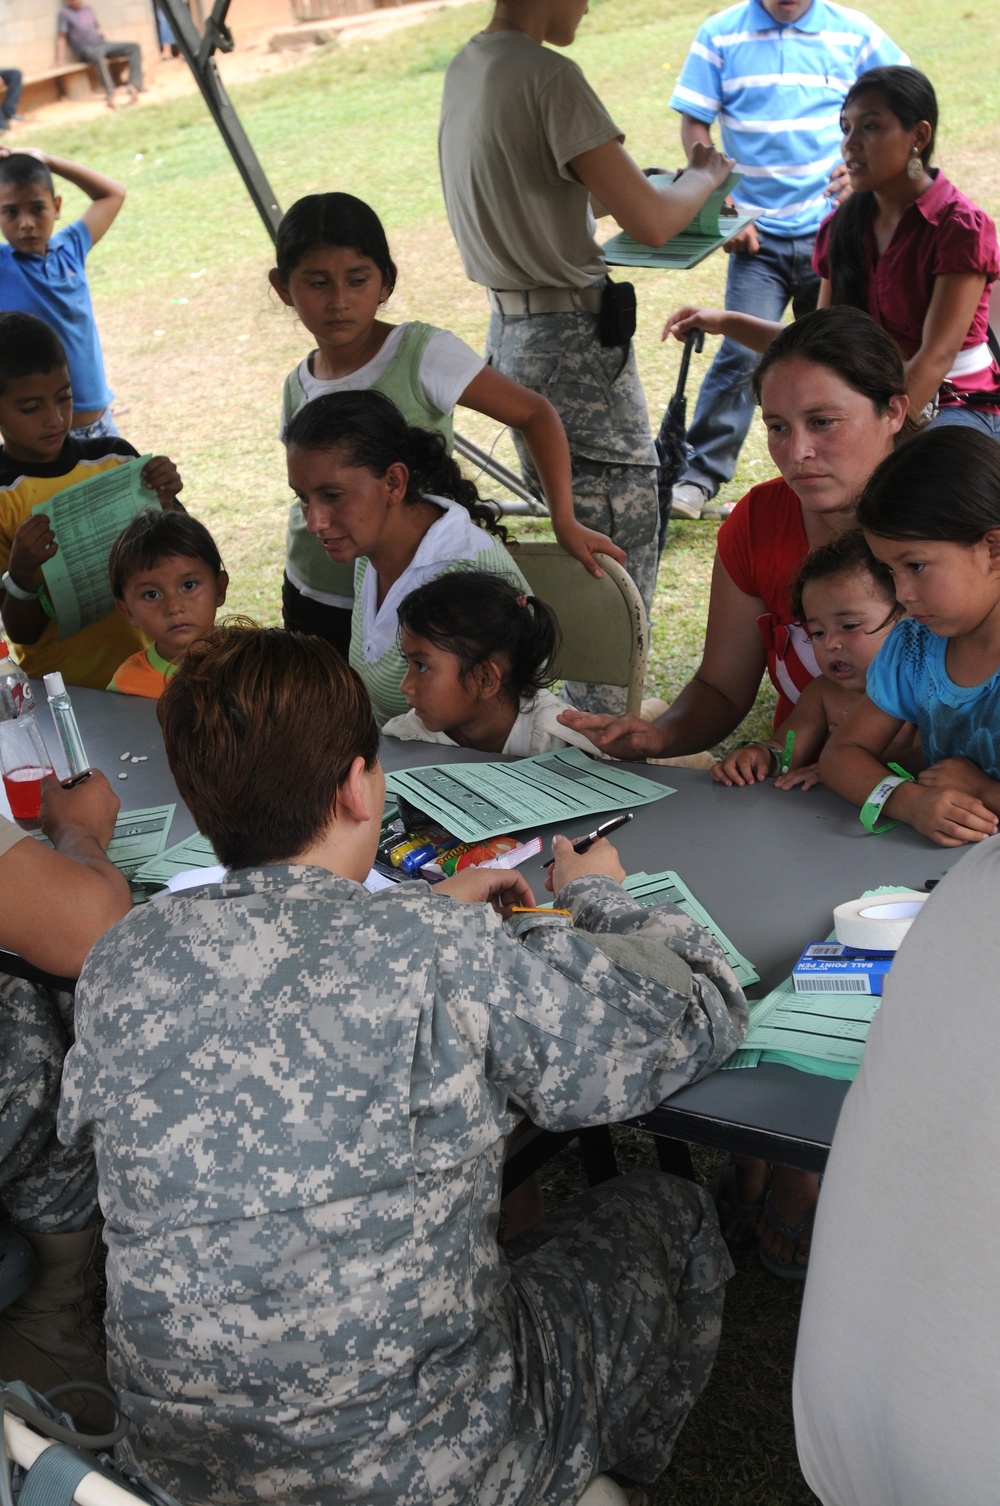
[(878, 922)]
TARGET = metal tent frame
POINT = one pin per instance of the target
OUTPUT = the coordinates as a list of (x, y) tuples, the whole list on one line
[(198, 49)]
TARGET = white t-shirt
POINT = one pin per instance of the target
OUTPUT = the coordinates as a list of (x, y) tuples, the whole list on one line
[(513, 117), (536, 730), (897, 1378), (447, 366)]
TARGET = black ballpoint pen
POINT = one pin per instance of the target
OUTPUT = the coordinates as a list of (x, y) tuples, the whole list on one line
[(583, 844)]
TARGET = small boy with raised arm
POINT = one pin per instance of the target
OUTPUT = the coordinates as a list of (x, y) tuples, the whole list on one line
[(167, 578), (45, 274), (39, 458), (846, 600)]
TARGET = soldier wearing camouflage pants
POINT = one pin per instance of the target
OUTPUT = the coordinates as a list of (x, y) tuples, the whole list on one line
[(55, 905), (299, 1095), (526, 150)]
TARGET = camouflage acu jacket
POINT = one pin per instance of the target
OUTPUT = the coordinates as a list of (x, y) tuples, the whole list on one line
[(299, 1094)]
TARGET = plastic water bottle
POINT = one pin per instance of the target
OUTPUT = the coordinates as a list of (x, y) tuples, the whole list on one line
[(65, 719), (24, 760), (15, 689)]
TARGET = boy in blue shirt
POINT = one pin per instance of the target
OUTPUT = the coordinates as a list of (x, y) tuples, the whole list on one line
[(775, 73), (45, 274)]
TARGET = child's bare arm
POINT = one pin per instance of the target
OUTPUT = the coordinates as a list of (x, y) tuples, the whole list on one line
[(745, 329), (107, 195), (541, 427), (810, 721), (32, 544), (755, 761), (851, 765)]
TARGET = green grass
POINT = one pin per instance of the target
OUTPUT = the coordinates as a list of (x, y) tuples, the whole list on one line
[(197, 347)]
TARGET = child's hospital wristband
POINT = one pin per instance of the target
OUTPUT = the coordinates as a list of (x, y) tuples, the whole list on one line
[(872, 808), (13, 589)]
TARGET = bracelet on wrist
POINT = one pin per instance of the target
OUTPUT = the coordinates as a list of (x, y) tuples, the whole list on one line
[(872, 808), (13, 589)]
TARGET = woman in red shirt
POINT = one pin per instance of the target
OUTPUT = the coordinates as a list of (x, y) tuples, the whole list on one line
[(833, 394)]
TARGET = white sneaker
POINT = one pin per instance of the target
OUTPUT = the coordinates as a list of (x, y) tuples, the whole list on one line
[(687, 500)]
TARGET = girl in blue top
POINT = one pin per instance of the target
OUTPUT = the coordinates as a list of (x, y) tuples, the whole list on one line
[(931, 512), (334, 269)]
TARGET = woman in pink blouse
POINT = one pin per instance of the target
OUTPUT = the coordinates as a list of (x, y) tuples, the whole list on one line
[(907, 247)]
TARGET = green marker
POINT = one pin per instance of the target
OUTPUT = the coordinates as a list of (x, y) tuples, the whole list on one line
[(785, 757)]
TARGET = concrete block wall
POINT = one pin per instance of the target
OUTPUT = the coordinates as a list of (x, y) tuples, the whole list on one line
[(28, 29)]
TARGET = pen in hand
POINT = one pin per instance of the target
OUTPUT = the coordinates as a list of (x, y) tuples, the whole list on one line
[(583, 844)]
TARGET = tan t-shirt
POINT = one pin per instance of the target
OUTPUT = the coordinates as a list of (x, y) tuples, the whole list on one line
[(513, 116), (9, 835)]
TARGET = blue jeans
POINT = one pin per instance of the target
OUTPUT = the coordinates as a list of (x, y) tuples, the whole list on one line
[(762, 284), (967, 418)]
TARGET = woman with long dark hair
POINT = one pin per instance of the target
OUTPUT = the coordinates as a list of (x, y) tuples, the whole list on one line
[(377, 490), (909, 248)]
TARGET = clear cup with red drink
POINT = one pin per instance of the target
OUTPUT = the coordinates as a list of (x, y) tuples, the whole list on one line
[(24, 763)]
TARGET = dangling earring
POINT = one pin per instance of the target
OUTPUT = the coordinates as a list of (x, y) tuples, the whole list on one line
[(914, 167)]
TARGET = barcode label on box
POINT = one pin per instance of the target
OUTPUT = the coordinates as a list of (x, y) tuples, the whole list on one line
[(827, 985)]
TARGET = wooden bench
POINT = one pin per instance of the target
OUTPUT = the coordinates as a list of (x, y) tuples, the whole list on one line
[(71, 80)]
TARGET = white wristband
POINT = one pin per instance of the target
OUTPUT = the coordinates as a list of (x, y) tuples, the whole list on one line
[(13, 589)]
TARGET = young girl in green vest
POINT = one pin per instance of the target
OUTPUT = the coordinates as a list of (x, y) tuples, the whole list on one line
[(334, 269)]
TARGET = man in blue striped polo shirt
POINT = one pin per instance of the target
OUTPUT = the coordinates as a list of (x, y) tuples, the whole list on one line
[(775, 73)]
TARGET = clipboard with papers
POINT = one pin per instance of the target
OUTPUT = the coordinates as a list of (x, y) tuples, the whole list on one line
[(710, 229)]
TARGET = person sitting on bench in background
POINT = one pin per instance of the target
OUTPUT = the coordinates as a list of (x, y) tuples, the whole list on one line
[(77, 25)]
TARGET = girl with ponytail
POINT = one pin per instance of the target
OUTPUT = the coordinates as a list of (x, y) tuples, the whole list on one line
[(479, 656), (377, 491)]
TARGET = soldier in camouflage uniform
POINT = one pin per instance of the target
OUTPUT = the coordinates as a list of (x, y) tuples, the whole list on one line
[(598, 395), (299, 1095), (524, 144), (56, 903)]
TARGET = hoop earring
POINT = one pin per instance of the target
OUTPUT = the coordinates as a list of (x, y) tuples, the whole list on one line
[(914, 167)]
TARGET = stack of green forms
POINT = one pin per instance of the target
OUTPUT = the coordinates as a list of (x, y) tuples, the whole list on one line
[(651, 889), (820, 1033)]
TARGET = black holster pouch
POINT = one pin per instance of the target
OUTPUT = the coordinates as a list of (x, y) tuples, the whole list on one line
[(616, 320)]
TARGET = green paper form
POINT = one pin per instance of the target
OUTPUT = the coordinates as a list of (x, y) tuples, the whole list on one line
[(651, 889), (138, 837), (86, 519), (820, 1033), (474, 801), (709, 230), (193, 852)]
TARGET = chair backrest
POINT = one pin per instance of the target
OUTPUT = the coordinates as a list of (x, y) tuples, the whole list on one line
[(605, 638)]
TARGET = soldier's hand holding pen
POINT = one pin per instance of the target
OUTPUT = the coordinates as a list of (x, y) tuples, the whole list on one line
[(600, 858)]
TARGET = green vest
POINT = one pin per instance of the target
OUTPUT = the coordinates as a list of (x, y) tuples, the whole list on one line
[(306, 561)]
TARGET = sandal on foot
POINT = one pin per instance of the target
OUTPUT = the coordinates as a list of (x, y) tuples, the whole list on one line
[(794, 1270), (726, 1190)]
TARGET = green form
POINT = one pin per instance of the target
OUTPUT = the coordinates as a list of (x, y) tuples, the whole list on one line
[(138, 837), (86, 519), (193, 852), (820, 1033), (709, 230), (652, 889), (474, 801)]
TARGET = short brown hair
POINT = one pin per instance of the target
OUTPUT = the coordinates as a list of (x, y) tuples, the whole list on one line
[(155, 535), (261, 727)]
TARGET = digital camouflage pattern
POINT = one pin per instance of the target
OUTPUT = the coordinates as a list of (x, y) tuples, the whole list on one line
[(299, 1095), (45, 1187), (598, 395)]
